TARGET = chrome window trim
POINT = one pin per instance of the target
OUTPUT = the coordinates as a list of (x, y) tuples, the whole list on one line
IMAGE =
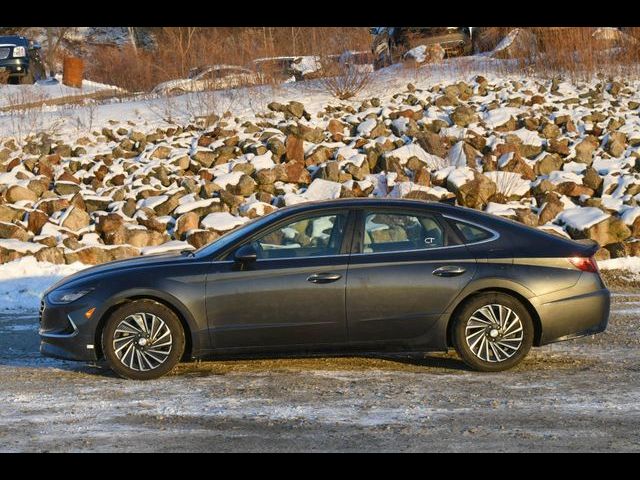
[(495, 234)]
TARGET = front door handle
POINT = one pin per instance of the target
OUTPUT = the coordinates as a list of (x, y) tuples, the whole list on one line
[(449, 271), (324, 277)]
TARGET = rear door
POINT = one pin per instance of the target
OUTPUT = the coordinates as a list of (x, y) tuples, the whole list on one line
[(407, 267)]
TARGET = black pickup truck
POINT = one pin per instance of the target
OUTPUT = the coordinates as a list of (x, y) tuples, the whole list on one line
[(20, 60), (391, 43)]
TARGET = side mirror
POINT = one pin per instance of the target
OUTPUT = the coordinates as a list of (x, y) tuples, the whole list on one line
[(35, 46), (245, 254)]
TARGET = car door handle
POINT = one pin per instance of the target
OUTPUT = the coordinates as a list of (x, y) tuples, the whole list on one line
[(324, 277), (449, 271)]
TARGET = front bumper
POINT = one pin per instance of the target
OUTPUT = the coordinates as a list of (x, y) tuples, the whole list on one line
[(66, 333), (574, 312), (15, 67)]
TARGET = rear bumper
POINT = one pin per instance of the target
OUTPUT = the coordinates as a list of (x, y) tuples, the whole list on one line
[(578, 312)]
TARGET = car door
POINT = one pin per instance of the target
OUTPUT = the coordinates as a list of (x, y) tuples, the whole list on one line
[(294, 292), (407, 268)]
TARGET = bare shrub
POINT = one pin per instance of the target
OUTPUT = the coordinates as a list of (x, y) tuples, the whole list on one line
[(345, 80), (24, 113), (179, 49)]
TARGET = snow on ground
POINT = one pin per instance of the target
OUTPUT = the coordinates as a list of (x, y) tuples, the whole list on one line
[(23, 281), (150, 111), (47, 90), (630, 264)]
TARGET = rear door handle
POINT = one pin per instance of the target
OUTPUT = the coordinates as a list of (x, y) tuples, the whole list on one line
[(449, 271), (324, 277)]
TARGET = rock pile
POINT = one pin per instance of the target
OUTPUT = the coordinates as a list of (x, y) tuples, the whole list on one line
[(555, 155)]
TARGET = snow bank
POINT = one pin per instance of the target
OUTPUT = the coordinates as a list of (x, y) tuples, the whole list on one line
[(630, 264), (23, 281)]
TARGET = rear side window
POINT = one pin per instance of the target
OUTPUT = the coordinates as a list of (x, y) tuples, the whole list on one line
[(394, 232), (471, 233)]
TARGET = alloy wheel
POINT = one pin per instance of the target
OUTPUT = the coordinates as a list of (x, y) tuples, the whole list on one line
[(494, 333), (142, 341)]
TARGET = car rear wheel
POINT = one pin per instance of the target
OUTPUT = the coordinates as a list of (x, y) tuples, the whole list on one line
[(143, 340), (493, 332)]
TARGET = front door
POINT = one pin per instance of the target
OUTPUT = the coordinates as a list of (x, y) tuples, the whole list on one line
[(292, 295), (408, 269)]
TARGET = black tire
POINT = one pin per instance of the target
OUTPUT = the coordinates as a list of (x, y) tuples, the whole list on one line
[(120, 362), (467, 331), (27, 79)]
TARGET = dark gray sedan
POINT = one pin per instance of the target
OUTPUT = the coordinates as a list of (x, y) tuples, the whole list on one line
[(358, 275)]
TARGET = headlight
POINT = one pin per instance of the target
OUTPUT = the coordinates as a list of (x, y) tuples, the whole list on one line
[(19, 52), (68, 296)]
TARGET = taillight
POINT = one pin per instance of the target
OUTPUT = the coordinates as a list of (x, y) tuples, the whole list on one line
[(586, 264)]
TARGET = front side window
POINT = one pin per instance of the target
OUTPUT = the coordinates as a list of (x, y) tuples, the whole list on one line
[(307, 237), (392, 232)]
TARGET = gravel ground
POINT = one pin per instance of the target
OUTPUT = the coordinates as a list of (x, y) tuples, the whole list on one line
[(582, 395)]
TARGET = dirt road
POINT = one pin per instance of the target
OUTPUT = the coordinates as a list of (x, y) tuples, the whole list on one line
[(582, 395)]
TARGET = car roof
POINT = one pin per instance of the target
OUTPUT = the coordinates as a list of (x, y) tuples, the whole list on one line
[(372, 202), (13, 40)]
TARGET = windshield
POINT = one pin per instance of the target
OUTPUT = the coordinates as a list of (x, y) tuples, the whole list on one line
[(232, 236)]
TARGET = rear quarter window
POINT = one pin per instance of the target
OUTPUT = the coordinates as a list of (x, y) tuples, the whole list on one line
[(472, 233)]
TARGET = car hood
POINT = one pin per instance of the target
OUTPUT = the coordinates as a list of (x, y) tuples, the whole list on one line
[(93, 274)]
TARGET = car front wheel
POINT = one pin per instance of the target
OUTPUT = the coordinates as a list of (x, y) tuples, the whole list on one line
[(143, 340), (493, 332)]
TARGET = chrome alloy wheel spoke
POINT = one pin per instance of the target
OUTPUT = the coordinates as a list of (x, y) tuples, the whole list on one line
[(142, 341), (494, 333)]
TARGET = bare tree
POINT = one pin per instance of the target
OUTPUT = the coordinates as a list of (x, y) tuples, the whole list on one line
[(181, 40), (55, 36), (132, 38)]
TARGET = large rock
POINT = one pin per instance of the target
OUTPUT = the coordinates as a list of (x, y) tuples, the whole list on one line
[(11, 230), (550, 210), (8, 214), (611, 230), (294, 149), (463, 116), (551, 162), (200, 238), (585, 149), (186, 222), (75, 219), (162, 152), (144, 238), (16, 193), (51, 255), (88, 255), (476, 193)]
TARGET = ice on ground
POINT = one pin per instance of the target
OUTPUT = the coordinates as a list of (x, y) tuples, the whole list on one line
[(582, 218), (23, 281)]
